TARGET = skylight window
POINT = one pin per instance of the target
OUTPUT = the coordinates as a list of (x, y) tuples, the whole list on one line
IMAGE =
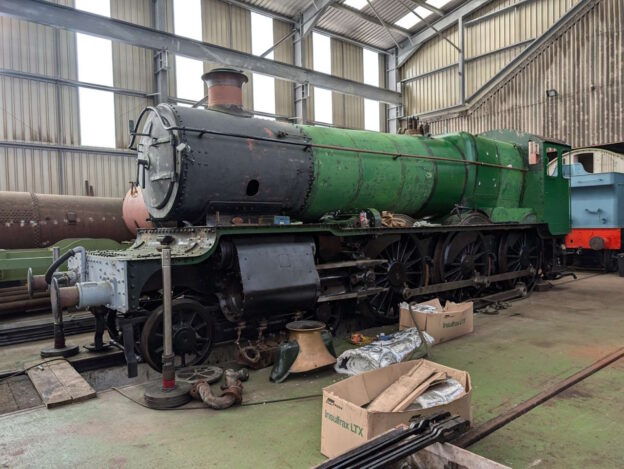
[(410, 19), (321, 58), (438, 3), (357, 4), (95, 65), (261, 41), (187, 23)]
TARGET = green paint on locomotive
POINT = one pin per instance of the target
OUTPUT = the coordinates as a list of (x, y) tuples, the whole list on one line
[(489, 173), (14, 263)]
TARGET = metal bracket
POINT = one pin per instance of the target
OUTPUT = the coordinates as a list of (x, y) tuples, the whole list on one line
[(161, 61)]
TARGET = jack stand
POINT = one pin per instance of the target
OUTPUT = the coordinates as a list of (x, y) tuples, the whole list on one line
[(98, 344), (60, 348), (168, 394)]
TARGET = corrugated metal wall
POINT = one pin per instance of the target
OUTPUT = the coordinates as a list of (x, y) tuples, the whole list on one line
[(28, 108), (347, 61), (228, 26), (133, 67), (584, 64), (491, 42), (284, 90)]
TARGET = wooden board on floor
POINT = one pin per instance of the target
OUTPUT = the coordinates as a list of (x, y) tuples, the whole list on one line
[(59, 383)]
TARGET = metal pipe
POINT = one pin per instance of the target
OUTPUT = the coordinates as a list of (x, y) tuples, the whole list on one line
[(40, 220), (25, 304), (168, 369), (232, 391), (22, 296), (13, 290)]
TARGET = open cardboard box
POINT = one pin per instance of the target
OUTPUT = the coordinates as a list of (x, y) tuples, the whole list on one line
[(346, 424), (449, 322)]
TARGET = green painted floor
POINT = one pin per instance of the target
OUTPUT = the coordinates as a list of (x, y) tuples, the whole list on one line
[(511, 356)]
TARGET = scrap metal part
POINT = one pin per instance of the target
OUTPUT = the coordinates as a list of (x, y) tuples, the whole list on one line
[(232, 390)]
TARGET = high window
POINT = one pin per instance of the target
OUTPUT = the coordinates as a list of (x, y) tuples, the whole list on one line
[(410, 19), (371, 77), (357, 4), (261, 41), (321, 58), (187, 22), (95, 65)]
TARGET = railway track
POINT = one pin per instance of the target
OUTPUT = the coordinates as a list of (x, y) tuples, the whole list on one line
[(40, 326)]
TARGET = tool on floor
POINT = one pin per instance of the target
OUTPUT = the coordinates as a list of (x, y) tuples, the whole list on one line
[(400, 443), (309, 347), (169, 393)]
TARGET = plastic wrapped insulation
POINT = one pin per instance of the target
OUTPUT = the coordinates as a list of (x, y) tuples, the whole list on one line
[(439, 394), (427, 309), (381, 353)]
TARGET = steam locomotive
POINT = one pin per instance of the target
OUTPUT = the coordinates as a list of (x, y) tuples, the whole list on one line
[(267, 219)]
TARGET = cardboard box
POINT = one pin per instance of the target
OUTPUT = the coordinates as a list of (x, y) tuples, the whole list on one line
[(454, 320), (345, 423)]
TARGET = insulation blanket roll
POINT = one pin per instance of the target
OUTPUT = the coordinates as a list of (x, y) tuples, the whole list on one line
[(381, 353)]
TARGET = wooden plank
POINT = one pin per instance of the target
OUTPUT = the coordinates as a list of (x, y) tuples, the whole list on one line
[(59, 383), (75, 384), (48, 386)]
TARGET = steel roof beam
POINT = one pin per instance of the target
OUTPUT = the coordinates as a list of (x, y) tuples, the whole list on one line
[(407, 47), (58, 16), (370, 19), (432, 9), (312, 14)]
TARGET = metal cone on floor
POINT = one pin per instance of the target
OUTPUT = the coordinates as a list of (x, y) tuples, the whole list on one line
[(313, 353)]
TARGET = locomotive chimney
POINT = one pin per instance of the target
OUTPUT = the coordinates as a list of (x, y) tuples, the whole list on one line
[(225, 89)]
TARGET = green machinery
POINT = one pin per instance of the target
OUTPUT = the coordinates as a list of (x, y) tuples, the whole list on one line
[(267, 221), (14, 263)]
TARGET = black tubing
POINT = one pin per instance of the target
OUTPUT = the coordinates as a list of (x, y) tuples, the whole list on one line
[(56, 264)]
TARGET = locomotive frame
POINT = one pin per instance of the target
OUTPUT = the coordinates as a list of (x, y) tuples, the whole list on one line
[(268, 221)]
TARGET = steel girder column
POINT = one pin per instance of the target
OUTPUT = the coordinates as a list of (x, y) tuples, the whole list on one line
[(395, 111), (161, 57), (301, 89), (59, 111), (462, 61)]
